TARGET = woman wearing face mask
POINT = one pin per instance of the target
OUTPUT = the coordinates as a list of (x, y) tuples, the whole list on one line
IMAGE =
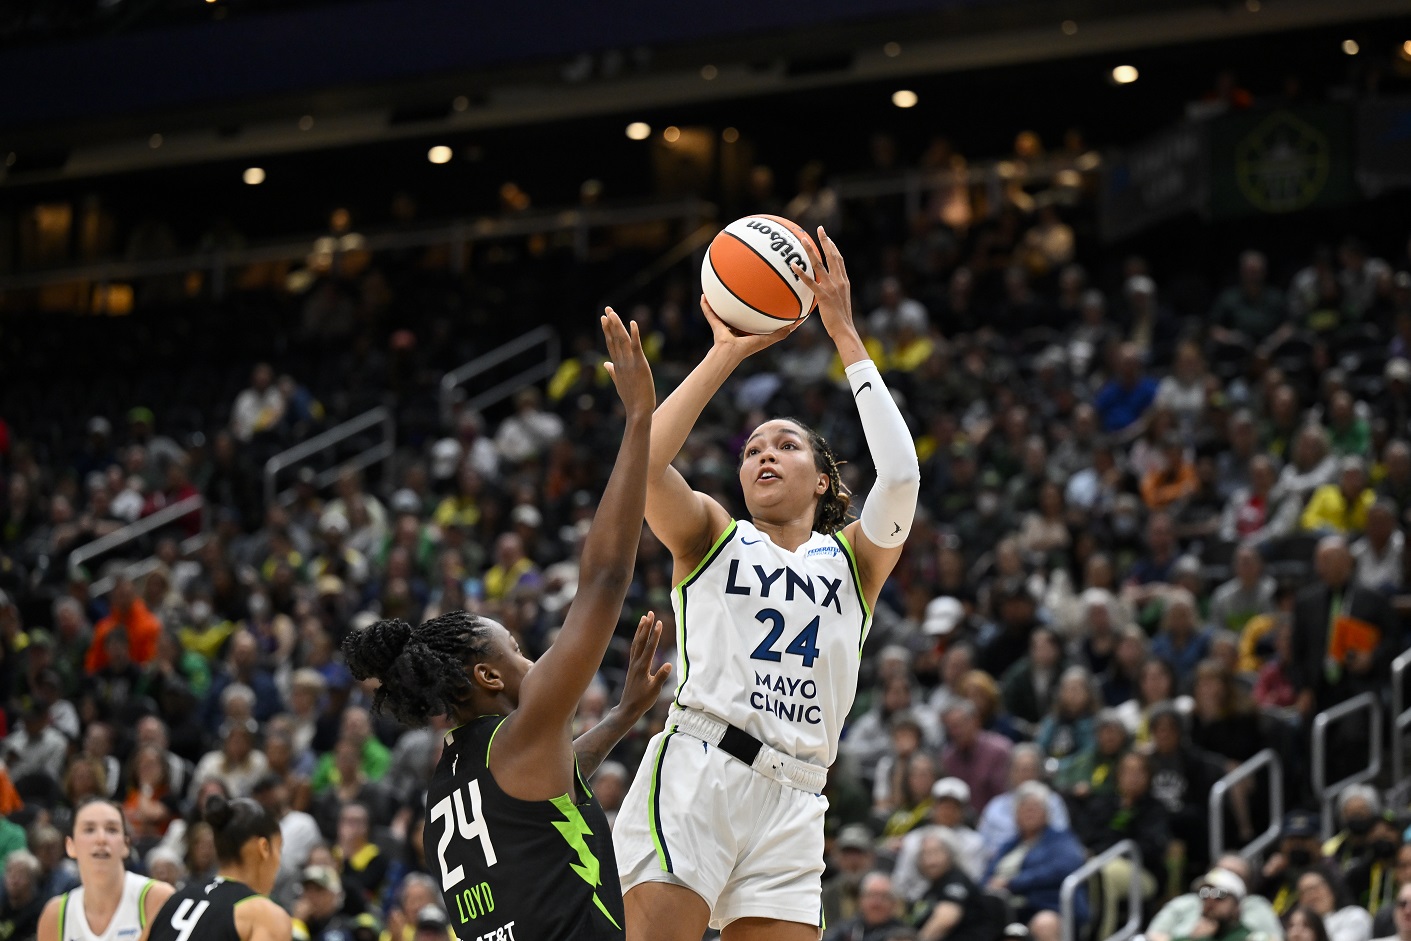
[(1372, 876), (1358, 808)]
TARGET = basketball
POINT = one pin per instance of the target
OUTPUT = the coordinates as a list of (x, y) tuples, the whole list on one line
[(746, 275)]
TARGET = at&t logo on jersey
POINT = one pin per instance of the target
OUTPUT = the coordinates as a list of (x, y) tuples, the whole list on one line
[(786, 697)]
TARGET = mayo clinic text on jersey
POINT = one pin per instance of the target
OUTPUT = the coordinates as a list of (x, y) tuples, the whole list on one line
[(779, 696)]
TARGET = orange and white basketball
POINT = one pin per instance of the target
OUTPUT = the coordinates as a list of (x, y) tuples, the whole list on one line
[(747, 279)]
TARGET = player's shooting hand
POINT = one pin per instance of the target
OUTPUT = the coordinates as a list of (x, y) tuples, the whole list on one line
[(628, 366), (741, 345), (643, 686), (830, 285)]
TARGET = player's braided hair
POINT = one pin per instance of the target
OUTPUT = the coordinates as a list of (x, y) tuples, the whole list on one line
[(832, 512), (421, 669)]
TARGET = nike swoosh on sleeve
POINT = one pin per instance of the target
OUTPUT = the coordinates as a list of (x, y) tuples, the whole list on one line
[(865, 385)]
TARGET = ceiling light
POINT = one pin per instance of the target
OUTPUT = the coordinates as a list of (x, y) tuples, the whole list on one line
[(639, 130), (1125, 74), (460, 103), (439, 154), (729, 135), (154, 141), (1350, 47), (1069, 27), (1406, 49), (709, 72), (306, 122), (1253, 6), (254, 176), (672, 134), (891, 50), (904, 98)]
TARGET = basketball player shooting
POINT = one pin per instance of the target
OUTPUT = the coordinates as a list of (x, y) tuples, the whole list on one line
[(723, 825)]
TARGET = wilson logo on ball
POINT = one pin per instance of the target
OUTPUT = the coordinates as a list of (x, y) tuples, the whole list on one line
[(746, 276)]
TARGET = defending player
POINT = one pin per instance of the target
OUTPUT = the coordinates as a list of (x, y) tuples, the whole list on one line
[(724, 822), (110, 904), (234, 905), (514, 837)]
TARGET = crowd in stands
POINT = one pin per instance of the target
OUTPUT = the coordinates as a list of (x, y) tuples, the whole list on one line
[(1151, 541)]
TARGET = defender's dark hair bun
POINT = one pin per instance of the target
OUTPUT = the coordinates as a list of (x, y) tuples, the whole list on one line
[(372, 651), (217, 812)]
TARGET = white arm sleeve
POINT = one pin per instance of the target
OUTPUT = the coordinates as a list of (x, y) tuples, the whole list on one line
[(891, 505)]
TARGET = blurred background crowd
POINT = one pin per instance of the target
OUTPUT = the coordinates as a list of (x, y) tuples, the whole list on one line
[(1166, 485)]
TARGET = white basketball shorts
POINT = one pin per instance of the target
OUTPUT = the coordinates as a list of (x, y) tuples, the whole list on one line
[(748, 845)]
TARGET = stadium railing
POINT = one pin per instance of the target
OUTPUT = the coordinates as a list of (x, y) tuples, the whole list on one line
[(1124, 849), (545, 336), (1400, 722), (1327, 792), (380, 418), (1269, 759), (136, 530)]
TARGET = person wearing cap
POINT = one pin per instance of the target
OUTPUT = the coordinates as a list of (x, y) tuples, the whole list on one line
[(1221, 893), (1180, 916), (950, 813), (35, 747), (1299, 850), (854, 855), (318, 912), (432, 925), (878, 912)]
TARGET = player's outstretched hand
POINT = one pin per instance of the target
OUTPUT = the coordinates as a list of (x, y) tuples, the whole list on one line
[(643, 687), (831, 286), (737, 344), (627, 365)]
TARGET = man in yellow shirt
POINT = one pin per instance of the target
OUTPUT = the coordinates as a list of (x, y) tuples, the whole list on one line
[(1341, 507)]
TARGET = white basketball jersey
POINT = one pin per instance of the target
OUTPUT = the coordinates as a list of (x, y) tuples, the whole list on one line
[(770, 639), (125, 925)]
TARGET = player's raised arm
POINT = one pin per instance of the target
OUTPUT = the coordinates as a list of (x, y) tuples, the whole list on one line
[(685, 520), (880, 533), (551, 690)]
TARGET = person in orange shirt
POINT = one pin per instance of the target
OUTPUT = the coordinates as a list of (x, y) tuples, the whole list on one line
[(1174, 482), (127, 611)]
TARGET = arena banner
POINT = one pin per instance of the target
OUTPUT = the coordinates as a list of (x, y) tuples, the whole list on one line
[(1384, 144), (1162, 177), (1281, 160)]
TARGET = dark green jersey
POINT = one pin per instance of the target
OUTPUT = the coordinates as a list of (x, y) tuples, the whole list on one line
[(541, 870), (202, 910)]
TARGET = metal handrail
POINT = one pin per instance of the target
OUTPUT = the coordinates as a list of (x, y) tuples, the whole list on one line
[(136, 530), (1328, 792), (382, 415), (467, 371), (1090, 868), (1268, 757), (1400, 717), (146, 566)]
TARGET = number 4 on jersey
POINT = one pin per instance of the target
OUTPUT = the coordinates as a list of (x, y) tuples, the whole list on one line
[(805, 644), (185, 917), (470, 828)]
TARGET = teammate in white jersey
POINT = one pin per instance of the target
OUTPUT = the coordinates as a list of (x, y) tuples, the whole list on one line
[(723, 825), (110, 904)]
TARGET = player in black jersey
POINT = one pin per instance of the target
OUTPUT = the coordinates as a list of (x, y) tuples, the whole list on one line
[(233, 905), (514, 837)]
